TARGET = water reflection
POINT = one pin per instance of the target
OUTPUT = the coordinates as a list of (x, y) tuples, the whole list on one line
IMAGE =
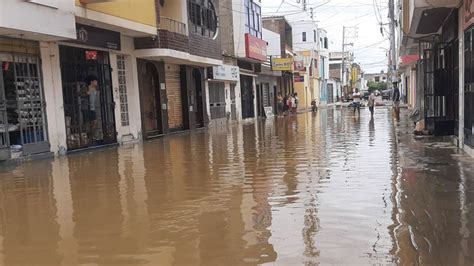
[(322, 187), (435, 205)]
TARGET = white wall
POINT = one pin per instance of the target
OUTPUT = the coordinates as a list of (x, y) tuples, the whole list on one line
[(305, 26), (133, 131), (239, 27), (19, 15), (273, 39)]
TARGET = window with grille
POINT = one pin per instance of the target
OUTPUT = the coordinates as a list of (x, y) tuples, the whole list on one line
[(122, 81), (203, 18)]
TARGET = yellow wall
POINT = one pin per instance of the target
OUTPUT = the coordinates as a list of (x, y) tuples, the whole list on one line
[(141, 11), (174, 10), (299, 88)]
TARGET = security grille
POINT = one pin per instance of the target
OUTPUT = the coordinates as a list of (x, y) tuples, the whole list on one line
[(124, 116)]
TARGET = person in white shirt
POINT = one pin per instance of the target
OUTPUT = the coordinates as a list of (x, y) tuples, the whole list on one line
[(356, 98), (371, 104)]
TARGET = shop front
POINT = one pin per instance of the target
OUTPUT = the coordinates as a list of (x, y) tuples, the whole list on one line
[(86, 72), (441, 72), (153, 98), (222, 94), (22, 105), (467, 98), (255, 52)]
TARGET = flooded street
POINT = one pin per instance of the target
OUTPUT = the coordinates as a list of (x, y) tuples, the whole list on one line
[(324, 188)]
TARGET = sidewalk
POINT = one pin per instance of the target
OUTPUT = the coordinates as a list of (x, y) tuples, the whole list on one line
[(433, 196)]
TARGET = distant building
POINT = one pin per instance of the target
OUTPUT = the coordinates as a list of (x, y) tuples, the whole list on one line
[(376, 77)]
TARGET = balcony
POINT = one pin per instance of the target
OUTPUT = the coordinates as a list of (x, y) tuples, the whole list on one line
[(172, 34), (422, 18), (173, 26)]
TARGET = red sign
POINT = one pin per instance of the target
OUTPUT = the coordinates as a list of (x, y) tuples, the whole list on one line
[(91, 55), (255, 48), (298, 79), (468, 10), (408, 59), (299, 66)]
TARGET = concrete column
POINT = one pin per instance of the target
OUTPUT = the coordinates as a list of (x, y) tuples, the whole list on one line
[(254, 88), (208, 104), (133, 92), (53, 95)]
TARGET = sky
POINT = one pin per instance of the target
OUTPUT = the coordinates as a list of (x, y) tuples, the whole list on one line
[(369, 48)]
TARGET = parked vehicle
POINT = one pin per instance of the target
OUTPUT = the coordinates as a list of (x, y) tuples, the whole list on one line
[(361, 104)]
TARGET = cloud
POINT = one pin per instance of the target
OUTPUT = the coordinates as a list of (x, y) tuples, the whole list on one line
[(332, 15)]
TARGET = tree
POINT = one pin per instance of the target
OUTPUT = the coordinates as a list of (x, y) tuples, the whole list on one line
[(373, 86)]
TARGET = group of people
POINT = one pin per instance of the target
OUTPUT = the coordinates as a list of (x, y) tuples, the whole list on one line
[(287, 104), (357, 98)]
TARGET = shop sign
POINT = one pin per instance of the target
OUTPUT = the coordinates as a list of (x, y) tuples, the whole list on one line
[(468, 13), (282, 64), (91, 55), (97, 37), (255, 48), (299, 66), (298, 79), (225, 72)]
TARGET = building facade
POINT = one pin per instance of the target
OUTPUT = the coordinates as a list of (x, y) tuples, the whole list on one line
[(150, 60), (244, 47), (435, 51), (309, 46), (281, 26), (174, 82), (269, 81)]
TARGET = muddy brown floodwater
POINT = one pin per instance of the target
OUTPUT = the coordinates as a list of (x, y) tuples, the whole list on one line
[(323, 188)]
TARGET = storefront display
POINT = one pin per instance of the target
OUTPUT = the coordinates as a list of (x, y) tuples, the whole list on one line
[(22, 105), (89, 114)]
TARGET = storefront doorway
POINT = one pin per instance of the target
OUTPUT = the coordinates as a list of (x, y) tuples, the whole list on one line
[(233, 105), (199, 113), (330, 93), (84, 130), (22, 106), (150, 98), (217, 97), (469, 87), (440, 84), (264, 98), (246, 87)]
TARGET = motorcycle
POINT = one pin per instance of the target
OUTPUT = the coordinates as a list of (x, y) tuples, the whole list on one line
[(314, 106)]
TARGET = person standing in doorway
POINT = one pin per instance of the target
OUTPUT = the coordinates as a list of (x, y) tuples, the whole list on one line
[(371, 104), (91, 94), (297, 101), (292, 103), (285, 104), (356, 98), (280, 104)]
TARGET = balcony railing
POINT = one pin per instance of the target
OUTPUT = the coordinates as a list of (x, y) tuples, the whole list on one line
[(172, 25)]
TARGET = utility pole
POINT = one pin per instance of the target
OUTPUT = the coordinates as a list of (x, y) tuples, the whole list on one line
[(393, 51), (343, 66), (347, 32)]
